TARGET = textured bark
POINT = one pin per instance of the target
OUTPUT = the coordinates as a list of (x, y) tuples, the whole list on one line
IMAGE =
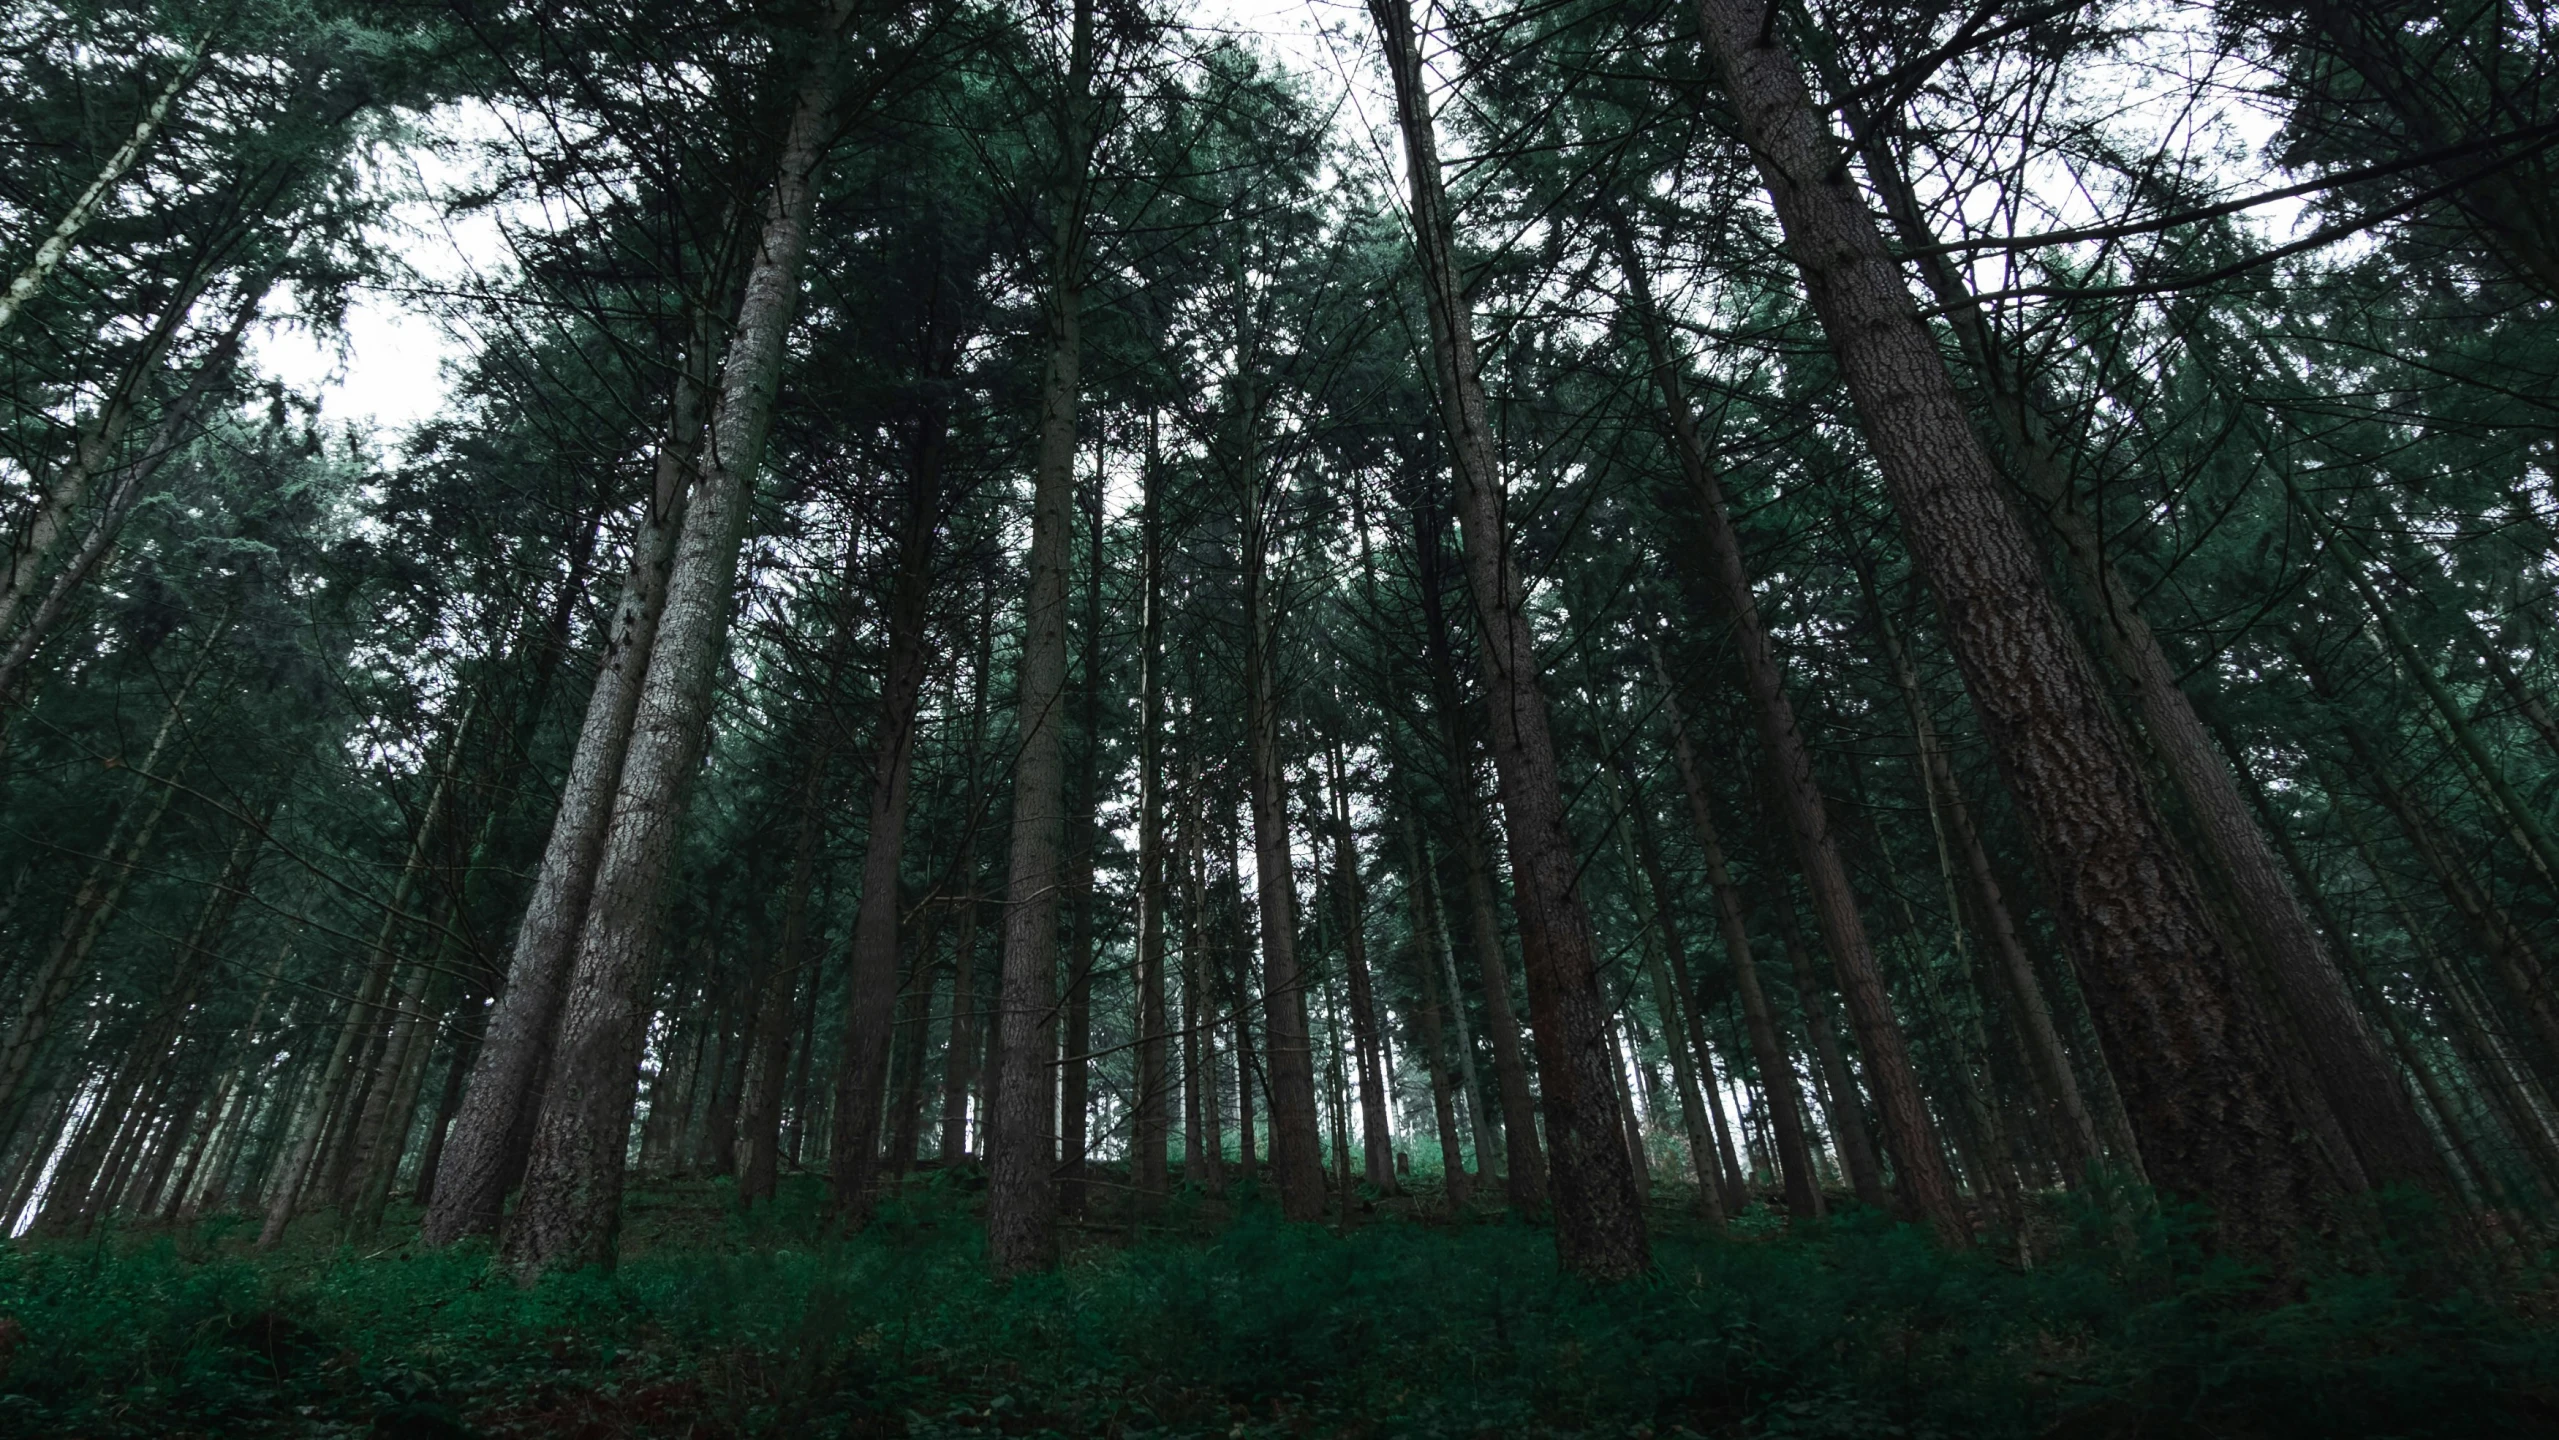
[(570, 1211), (2075, 1128), (1021, 1149), (484, 1155), (2353, 1075), (2200, 1082), (1297, 1158), (1599, 1219), (1768, 1048)]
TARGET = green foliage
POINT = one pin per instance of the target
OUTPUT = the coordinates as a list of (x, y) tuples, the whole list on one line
[(721, 1324)]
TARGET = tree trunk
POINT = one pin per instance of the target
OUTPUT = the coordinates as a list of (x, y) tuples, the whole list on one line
[(1768, 1048), (1679, 1027), (102, 889), (861, 1063), (485, 1154), (2076, 1127), (2202, 1087), (570, 1212), (1377, 1134), (1151, 1127), (57, 243), (1599, 1218)]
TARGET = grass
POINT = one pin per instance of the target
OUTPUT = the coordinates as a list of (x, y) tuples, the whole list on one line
[(721, 1324)]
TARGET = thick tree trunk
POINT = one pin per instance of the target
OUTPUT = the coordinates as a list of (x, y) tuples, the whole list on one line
[(1021, 1148), (2075, 1127), (485, 1153), (1599, 1219), (571, 1208), (2202, 1088)]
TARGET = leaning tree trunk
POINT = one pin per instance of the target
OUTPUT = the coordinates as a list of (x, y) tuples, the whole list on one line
[(870, 987), (2344, 1055), (1767, 1047), (66, 231), (2202, 1087), (1925, 1184), (484, 1151), (1599, 1218), (571, 1207)]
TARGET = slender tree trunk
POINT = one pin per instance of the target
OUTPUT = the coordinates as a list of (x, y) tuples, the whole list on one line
[(861, 1063), (1151, 1126), (1084, 793), (1440, 953), (102, 889), (570, 1212), (2202, 1087), (1925, 1185), (2077, 1128), (1452, 1154), (1679, 1027), (1768, 1048), (66, 231), (1377, 1134), (1599, 1218), (1847, 1104)]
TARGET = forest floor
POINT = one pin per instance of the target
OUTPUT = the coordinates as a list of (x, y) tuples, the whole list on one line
[(1401, 1322)]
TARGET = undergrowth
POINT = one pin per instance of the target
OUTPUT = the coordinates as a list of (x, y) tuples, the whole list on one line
[(718, 1324)]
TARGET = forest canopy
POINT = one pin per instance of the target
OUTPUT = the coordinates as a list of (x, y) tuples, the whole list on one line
[(1608, 645)]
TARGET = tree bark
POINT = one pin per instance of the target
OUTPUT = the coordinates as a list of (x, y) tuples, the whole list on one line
[(861, 1062), (1151, 1125), (66, 231), (2203, 1089), (1768, 1048), (485, 1153), (1920, 1169), (1377, 1134), (1021, 1149), (1599, 1218), (570, 1211)]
